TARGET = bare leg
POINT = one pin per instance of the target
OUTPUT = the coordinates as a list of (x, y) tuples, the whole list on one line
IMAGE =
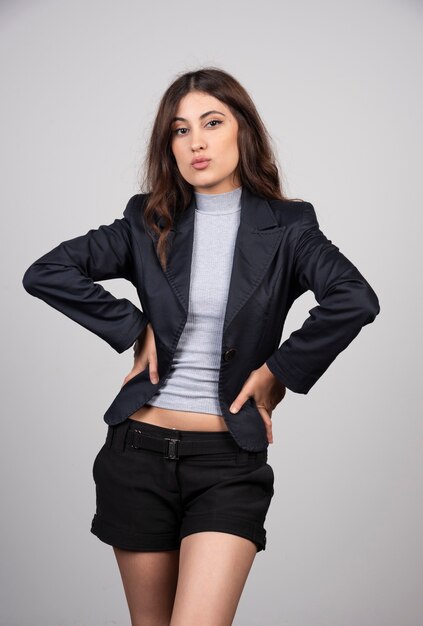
[(213, 569), (149, 580)]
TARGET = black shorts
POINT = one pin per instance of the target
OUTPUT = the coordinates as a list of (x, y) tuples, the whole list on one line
[(149, 499)]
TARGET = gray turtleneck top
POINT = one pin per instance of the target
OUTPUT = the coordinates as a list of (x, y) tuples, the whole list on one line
[(192, 384)]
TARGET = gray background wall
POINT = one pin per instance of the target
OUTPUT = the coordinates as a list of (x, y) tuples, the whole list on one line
[(339, 87)]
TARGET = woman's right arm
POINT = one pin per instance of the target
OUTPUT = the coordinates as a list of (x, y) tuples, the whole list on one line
[(65, 279)]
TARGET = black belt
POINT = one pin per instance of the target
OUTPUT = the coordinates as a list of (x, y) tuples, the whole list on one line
[(173, 447)]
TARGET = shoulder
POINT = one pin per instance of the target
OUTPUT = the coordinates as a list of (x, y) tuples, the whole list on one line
[(294, 213), (132, 221), (135, 205), (134, 212)]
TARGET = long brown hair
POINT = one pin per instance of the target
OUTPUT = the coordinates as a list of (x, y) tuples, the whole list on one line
[(168, 193)]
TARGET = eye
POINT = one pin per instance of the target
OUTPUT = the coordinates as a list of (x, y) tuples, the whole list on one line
[(176, 131), (217, 121)]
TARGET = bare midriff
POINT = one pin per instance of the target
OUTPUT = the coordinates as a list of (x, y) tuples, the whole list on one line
[(181, 420)]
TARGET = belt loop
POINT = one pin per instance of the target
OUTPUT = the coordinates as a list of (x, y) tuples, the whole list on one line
[(171, 446), (109, 437), (125, 427)]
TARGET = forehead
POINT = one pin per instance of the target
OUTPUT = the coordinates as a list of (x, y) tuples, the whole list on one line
[(193, 104)]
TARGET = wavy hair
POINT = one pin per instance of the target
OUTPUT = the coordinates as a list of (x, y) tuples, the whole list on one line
[(168, 193)]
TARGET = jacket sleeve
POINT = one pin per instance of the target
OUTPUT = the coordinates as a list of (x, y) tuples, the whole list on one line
[(346, 303), (65, 279)]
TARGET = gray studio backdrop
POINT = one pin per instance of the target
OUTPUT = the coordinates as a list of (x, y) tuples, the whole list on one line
[(339, 87)]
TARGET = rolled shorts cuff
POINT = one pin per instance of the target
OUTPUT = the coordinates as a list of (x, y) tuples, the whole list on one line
[(131, 540), (121, 538), (235, 526)]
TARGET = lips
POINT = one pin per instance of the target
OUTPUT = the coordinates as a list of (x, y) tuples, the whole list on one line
[(200, 164)]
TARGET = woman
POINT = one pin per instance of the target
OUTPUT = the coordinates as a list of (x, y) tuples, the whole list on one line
[(218, 254)]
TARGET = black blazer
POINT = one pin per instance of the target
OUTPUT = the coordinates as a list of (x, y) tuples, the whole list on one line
[(280, 253)]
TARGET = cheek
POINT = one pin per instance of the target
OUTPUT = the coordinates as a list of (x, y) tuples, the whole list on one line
[(231, 155), (179, 158), (175, 151), (233, 147)]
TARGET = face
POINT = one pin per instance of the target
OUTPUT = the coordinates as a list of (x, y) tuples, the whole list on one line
[(207, 130)]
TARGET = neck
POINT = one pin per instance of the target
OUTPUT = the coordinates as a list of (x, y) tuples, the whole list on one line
[(218, 203)]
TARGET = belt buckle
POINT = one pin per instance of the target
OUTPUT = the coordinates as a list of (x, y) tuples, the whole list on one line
[(172, 450)]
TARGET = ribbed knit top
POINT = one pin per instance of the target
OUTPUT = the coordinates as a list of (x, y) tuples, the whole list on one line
[(192, 384)]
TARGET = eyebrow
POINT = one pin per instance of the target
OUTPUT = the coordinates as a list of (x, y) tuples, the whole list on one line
[(183, 119)]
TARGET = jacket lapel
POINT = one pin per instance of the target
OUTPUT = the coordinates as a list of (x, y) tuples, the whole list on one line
[(258, 237)]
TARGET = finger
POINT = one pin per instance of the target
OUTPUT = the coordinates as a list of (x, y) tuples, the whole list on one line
[(239, 401), (154, 374), (140, 363), (267, 422), (134, 372)]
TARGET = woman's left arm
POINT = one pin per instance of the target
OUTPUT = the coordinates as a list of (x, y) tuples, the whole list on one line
[(346, 300)]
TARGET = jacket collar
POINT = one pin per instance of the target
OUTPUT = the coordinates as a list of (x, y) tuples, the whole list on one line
[(258, 237), (256, 213)]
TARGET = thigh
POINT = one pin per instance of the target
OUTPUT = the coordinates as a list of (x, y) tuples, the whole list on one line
[(213, 569), (149, 580)]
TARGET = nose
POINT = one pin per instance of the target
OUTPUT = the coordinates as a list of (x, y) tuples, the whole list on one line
[(197, 140)]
